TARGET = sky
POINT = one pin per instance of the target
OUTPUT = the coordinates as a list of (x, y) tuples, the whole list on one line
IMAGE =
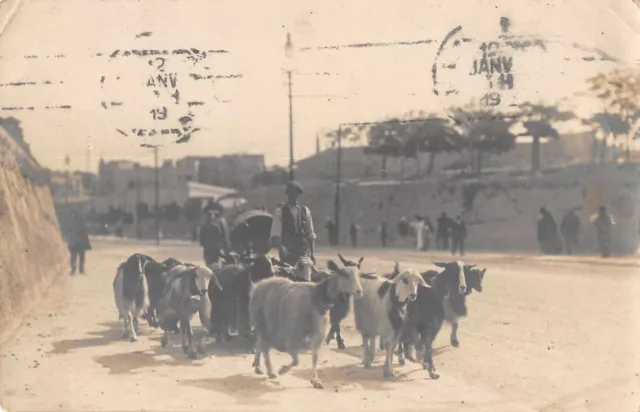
[(55, 59)]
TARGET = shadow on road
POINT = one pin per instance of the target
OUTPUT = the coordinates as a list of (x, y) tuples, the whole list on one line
[(103, 337), (339, 376), (244, 388), (358, 352), (127, 362)]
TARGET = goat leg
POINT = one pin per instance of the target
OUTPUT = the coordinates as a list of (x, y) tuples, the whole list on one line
[(400, 353), (256, 358), (331, 335), (427, 358), (191, 351), (387, 369), (286, 368), (454, 334), (315, 380), (125, 334), (365, 344), (267, 362), (339, 337), (183, 335), (132, 332), (165, 338)]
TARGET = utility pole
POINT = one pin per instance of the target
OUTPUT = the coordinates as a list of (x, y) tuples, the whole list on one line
[(338, 179), (288, 49), (66, 180), (157, 212), (291, 162)]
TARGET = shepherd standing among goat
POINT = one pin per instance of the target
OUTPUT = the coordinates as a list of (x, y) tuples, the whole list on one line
[(290, 316), (292, 231), (381, 312)]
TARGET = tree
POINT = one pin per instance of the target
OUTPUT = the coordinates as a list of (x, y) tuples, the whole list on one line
[(274, 176), (611, 124), (541, 126), (142, 211), (192, 209), (434, 136), (485, 131), (618, 90)]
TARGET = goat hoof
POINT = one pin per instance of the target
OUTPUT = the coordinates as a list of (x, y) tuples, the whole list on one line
[(258, 371), (455, 343), (317, 383), (272, 375), (401, 361), (133, 339), (341, 346), (164, 341), (433, 375), (193, 355), (387, 374)]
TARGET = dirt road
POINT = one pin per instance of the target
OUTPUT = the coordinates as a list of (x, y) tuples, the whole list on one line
[(546, 334)]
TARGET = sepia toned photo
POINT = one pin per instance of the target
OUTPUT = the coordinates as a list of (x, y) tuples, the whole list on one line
[(412, 205)]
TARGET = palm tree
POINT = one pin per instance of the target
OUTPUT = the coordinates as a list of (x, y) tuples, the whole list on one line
[(542, 127)]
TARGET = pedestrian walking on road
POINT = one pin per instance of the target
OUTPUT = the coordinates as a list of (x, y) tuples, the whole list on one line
[(292, 231), (548, 238), (331, 231), (77, 237), (418, 226), (443, 231), (353, 232), (603, 224), (458, 236), (383, 234), (569, 229)]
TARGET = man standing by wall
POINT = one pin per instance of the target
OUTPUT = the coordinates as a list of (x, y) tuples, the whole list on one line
[(77, 237), (292, 231), (353, 233), (443, 230), (569, 229), (458, 236), (603, 225)]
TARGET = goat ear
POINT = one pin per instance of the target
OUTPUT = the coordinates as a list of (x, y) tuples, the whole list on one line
[(331, 265), (471, 266), (342, 259), (441, 264), (360, 260), (482, 272), (396, 268)]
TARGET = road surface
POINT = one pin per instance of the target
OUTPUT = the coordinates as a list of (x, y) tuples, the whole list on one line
[(546, 334)]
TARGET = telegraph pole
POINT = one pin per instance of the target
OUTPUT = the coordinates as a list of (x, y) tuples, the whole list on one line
[(338, 179), (288, 49), (157, 213), (291, 162)]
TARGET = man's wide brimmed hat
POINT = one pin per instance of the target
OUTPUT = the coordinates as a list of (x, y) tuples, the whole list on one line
[(294, 186)]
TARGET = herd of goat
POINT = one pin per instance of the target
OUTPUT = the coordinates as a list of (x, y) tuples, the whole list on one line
[(274, 305)]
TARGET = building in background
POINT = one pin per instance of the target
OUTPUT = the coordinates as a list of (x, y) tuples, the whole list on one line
[(229, 171)]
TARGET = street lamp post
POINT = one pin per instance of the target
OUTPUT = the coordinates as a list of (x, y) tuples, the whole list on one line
[(289, 52)]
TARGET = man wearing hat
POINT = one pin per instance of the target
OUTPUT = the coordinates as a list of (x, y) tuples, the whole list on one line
[(292, 228)]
